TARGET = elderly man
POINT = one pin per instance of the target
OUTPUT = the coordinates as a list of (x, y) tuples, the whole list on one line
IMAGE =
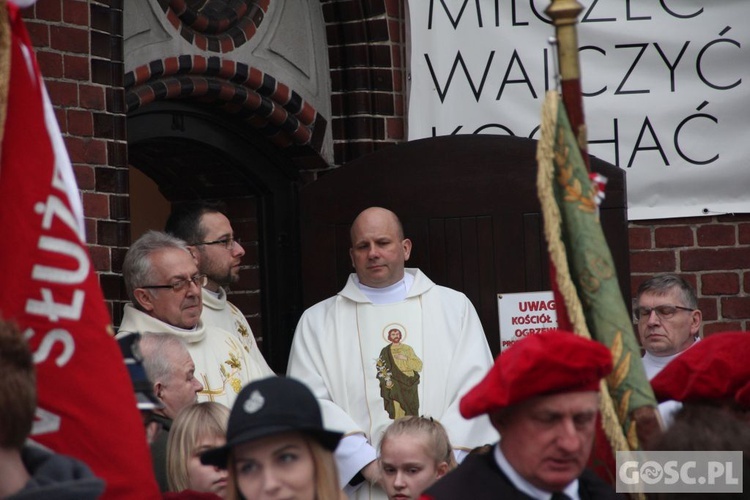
[(28, 471), (164, 286), (542, 395), (437, 348), (171, 373), (668, 323), (218, 254)]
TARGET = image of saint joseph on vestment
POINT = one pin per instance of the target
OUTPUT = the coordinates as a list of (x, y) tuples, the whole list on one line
[(398, 372)]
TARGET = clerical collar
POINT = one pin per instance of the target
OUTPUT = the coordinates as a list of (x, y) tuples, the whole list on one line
[(215, 295), (526, 487), (660, 362), (656, 363), (390, 294), (186, 330)]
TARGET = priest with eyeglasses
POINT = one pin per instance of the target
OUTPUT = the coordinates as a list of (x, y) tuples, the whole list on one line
[(165, 289), (666, 312)]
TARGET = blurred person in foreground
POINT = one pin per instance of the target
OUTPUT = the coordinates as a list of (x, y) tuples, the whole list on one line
[(711, 381), (28, 471), (713, 374), (277, 446), (542, 395)]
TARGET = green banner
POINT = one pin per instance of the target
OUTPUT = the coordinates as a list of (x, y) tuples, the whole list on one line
[(586, 275)]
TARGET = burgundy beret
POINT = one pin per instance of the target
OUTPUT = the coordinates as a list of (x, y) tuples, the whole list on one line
[(546, 363), (743, 396), (716, 368)]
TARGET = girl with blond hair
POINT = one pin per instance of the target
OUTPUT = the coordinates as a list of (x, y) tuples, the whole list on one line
[(414, 453), (197, 428)]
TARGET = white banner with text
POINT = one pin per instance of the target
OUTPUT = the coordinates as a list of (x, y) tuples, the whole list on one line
[(666, 89)]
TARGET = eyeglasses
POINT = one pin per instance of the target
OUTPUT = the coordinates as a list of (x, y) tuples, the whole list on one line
[(664, 311), (227, 242), (199, 280)]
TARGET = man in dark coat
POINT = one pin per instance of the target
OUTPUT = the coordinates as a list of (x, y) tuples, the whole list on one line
[(542, 395)]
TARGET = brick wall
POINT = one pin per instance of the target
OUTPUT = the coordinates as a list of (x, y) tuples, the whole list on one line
[(79, 49), (367, 54), (369, 113), (246, 294), (83, 71), (713, 253)]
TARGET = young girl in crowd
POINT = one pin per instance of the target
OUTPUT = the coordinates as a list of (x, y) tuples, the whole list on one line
[(414, 453), (277, 446), (197, 428)]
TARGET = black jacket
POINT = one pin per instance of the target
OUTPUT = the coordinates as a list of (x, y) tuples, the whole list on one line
[(56, 476), (479, 478)]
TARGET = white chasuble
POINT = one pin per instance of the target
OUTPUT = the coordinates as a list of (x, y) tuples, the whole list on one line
[(368, 363)]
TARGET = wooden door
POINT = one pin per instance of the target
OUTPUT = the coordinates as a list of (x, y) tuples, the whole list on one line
[(470, 207)]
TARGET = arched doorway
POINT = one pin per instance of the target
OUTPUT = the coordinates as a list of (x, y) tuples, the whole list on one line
[(194, 152)]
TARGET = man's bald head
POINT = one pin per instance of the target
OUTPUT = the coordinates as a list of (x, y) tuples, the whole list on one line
[(379, 249), (368, 214)]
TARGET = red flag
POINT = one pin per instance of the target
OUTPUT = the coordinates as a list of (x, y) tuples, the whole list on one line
[(86, 404)]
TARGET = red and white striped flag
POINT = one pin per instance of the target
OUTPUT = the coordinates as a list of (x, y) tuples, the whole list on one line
[(86, 403)]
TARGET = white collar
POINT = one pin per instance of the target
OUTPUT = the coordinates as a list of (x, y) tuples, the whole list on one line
[(389, 294), (655, 364)]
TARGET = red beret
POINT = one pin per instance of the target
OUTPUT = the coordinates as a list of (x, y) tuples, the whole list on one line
[(743, 396), (716, 368), (546, 363)]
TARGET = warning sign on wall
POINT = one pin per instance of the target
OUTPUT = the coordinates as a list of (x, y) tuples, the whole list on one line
[(523, 314)]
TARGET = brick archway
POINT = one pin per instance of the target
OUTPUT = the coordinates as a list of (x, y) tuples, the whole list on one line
[(191, 152), (264, 103), (216, 26)]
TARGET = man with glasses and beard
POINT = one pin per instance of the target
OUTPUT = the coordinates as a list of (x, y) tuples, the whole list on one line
[(218, 254), (669, 321), (164, 286)]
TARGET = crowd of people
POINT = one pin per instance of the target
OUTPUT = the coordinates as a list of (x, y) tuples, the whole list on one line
[(391, 390)]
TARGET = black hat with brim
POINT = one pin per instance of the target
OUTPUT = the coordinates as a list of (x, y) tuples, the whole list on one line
[(268, 407)]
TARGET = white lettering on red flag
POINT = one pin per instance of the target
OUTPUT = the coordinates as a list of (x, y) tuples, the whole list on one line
[(86, 404)]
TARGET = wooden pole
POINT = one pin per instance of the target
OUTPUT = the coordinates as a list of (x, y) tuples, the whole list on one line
[(564, 15)]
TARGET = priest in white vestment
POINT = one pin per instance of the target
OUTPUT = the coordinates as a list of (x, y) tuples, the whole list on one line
[(164, 287), (435, 342), (218, 254)]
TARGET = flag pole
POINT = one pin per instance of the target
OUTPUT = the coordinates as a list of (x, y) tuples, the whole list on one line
[(564, 15)]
